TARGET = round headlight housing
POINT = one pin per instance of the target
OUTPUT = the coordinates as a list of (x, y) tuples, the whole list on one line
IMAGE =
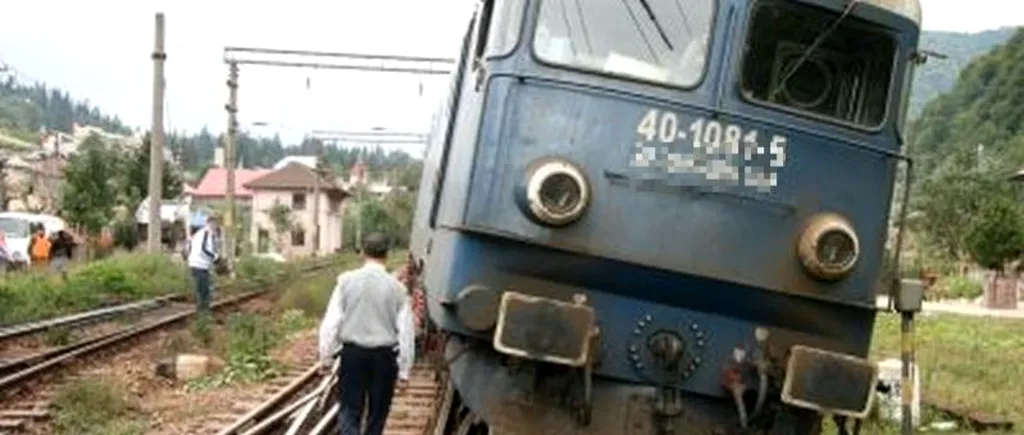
[(557, 193), (829, 248)]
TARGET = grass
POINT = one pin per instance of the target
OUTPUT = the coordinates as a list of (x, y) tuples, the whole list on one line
[(116, 279), (311, 296), (96, 406), (246, 343), (971, 362)]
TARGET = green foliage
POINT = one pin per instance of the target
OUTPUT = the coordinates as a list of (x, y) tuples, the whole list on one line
[(938, 75), (293, 320), (955, 287), (30, 108), (310, 296), (996, 236), (95, 407), (260, 271), (135, 176), (250, 339), (391, 215), (986, 106), (281, 217), (121, 277), (971, 362), (126, 234), (89, 193), (952, 198)]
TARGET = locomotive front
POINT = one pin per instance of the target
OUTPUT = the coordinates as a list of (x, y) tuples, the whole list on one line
[(648, 216)]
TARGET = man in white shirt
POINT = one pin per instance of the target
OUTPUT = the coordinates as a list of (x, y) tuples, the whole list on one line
[(202, 254), (369, 323)]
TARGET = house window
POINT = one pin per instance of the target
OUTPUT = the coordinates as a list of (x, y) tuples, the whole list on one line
[(298, 201), (298, 237)]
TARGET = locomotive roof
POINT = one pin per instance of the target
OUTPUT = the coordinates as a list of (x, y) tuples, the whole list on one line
[(911, 9)]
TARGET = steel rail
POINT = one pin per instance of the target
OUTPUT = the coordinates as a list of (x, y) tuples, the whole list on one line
[(325, 421), (299, 418), (287, 411), (117, 337), (264, 408), (22, 329)]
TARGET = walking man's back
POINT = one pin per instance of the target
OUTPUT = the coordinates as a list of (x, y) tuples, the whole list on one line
[(369, 319)]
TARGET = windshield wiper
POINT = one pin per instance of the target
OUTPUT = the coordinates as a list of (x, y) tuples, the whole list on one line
[(657, 25), (810, 49)]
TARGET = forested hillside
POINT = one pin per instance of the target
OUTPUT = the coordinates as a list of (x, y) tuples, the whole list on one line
[(986, 107), (938, 75), (967, 142), (196, 154), (25, 110)]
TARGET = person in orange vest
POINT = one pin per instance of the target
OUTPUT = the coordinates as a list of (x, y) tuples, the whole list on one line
[(39, 246)]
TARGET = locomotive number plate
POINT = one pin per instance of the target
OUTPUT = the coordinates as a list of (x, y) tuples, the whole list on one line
[(544, 329), (829, 382)]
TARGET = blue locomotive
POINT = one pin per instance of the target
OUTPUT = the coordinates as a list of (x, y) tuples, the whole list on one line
[(664, 216)]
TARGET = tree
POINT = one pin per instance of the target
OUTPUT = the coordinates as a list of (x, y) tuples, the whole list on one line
[(89, 193), (281, 217), (996, 236), (952, 197), (136, 177), (995, 239)]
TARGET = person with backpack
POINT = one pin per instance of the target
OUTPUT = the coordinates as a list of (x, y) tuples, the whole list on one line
[(202, 256), (61, 252)]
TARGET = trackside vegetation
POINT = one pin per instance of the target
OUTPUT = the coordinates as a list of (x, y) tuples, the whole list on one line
[(117, 279)]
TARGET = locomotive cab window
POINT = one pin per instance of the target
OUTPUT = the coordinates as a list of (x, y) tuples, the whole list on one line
[(661, 41), (846, 77)]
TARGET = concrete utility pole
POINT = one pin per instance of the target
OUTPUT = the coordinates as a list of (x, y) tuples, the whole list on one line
[(229, 162), (318, 174), (234, 56), (156, 140)]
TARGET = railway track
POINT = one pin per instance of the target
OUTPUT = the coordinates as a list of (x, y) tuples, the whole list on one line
[(23, 407), (306, 403)]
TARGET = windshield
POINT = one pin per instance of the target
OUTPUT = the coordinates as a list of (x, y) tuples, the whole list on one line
[(663, 41), (820, 62), (14, 227)]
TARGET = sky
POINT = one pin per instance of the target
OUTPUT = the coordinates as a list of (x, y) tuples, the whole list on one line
[(100, 50)]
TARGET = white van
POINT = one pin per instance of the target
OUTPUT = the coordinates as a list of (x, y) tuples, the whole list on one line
[(15, 226)]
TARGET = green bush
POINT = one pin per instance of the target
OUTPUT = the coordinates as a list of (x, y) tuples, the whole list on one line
[(956, 287), (119, 278), (250, 337)]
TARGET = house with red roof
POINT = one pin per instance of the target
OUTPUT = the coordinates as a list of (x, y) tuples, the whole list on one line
[(292, 186), (211, 191)]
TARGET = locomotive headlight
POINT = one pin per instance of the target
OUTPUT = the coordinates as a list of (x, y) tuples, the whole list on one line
[(557, 193), (828, 247)]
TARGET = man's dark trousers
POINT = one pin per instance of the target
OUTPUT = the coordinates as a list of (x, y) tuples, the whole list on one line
[(202, 278), (367, 376)]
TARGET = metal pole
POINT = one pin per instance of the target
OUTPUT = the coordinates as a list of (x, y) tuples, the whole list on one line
[(229, 163), (156, 139), (360, 185), (908, 302), (317, 173), (907, 372)]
